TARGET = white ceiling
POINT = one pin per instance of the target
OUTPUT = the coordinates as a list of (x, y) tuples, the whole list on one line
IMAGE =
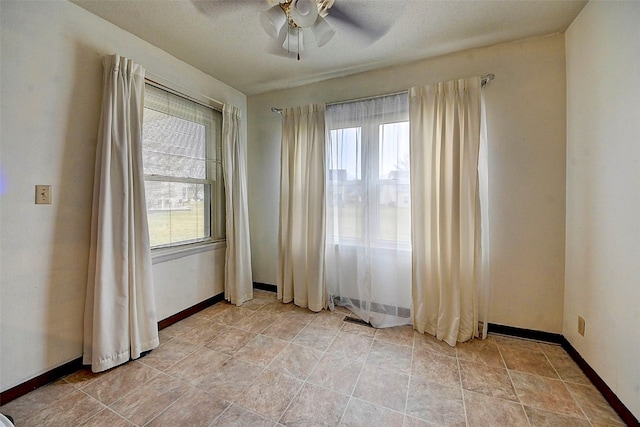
[(224, 39)]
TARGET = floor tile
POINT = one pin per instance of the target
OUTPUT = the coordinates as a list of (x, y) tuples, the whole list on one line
[(83, 377), (270, 394), (401, 335), (328, 319), (410, 421), (390, 356), (277, 307), (528, 361), (433, 367), (483, 410), (211, 312), (435, 403), (257, 322), (337, 373), (284, 328), (145, 401), (481, 351), (316, 337), (72, 409), (236, 416), (354, 328), (431, 343), (256, 303), (487, 380), (181, 327), (364, 414), (107, 418), (38, 399), (229, 340), (194, 409), (232, 317), (169, 353), (351, 346), (300, 314), (545, 393), (114, 384), (222, 367), (594, 404), (315, 406), (566, 367), (383, 387), (198, 365), (541, 418), (296, 360), (261, 350), (519, 343)]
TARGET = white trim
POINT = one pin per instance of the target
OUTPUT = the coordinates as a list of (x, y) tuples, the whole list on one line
[(161, 255)]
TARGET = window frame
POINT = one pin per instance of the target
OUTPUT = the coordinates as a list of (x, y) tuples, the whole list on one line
[(370, 134), (213, 179)]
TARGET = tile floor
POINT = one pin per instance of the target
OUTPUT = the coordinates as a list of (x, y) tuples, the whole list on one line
[(271, 364)]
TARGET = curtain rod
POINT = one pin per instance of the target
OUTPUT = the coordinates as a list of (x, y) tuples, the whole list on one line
[(483, 81)]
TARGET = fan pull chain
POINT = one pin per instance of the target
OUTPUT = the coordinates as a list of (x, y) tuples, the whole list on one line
[(298, 43)]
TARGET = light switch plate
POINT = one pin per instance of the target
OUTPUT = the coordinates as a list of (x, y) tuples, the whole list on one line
[(43, 194)]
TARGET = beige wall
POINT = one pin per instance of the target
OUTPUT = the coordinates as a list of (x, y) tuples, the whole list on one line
[(526, 116), (603, 193), (51, 89)]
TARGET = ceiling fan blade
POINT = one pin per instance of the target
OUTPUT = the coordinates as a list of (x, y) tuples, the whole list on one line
[(215, 8), (370, 32)]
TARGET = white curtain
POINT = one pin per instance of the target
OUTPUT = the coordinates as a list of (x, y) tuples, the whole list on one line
[(449, 203), (120, 313), (238, 283), (368, 252), (302, 217)]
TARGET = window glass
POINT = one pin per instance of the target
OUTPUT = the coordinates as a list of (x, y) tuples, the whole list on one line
[(182, 165)]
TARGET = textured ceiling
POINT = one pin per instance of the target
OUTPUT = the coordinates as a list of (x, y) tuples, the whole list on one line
[(225, 40)]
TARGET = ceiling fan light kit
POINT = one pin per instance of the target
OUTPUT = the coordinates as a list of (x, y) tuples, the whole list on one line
[(297, 15)]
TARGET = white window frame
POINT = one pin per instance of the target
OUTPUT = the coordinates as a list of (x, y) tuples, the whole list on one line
[(216, 205), (370, 135)]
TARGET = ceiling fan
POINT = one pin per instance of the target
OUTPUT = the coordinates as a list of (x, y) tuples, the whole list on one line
[(286, 20)]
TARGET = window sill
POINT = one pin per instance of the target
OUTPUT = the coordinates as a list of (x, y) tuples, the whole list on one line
[(167, 254)]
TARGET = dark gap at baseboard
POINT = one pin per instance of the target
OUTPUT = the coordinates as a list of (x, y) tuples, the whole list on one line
[(602, 387), (525, 333), (357, 321), (76, 364), (42, 379), (624, 413), (265, 287), (190, 311)]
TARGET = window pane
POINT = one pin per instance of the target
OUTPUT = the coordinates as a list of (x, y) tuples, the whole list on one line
[(177, 212), (394, 211), (345, 154), (173, 146), (394, 150), (345, 209)]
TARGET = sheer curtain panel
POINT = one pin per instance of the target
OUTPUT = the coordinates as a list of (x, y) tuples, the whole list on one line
[(302, 216), (368, 252), (238, 283), (120, 312), (449, 284)]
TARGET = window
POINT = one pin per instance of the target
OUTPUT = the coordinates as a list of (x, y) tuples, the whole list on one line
[(181, 153), (368, 166)]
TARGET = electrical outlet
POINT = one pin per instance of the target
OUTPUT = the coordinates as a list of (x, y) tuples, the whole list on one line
[(43, 194), (581, 325)]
